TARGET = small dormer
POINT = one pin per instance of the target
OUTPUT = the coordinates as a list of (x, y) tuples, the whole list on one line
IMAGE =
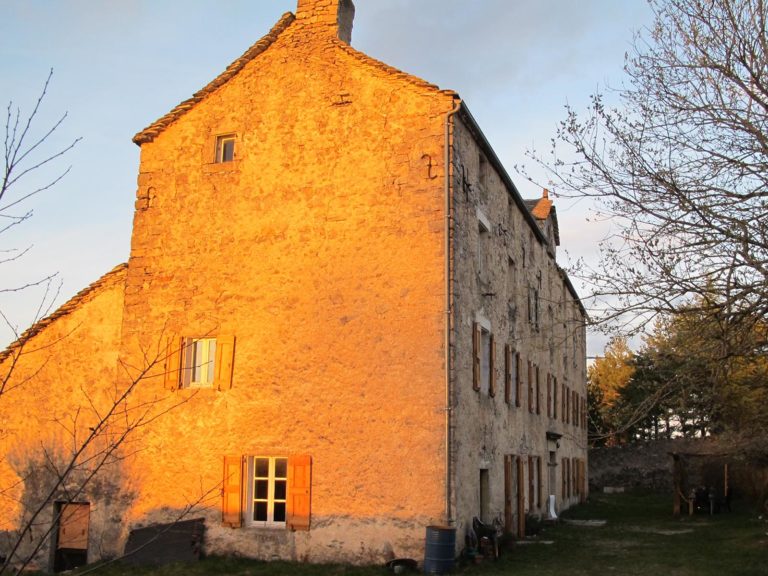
[(544, 212), (332, 17)]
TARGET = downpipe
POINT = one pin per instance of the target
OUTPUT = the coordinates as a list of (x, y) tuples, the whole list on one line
[(449, 518)]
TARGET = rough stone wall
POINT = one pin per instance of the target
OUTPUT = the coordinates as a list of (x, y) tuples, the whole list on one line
[(636, 466), (320, 248), (60, 384), (498, 259), (332, 17), (649, 466)]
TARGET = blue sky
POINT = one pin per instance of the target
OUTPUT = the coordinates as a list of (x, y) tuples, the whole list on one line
[(121, 64)]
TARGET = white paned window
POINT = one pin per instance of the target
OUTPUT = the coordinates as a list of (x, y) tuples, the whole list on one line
[(198, 362), (225, 148), (267, 491)]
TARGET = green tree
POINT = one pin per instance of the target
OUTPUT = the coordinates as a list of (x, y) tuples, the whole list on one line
[(695, 375), (606, 378)]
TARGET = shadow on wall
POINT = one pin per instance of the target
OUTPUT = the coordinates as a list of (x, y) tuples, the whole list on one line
[(59, 497)]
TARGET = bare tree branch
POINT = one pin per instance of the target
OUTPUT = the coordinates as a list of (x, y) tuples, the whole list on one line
[(680, 167)]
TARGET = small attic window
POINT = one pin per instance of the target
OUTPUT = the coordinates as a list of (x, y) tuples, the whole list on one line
[(225, 148)]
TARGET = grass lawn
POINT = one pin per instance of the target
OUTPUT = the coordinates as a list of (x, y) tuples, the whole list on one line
[(640, 537)]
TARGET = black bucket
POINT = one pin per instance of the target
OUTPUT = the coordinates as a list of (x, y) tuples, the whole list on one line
[(440, 549)]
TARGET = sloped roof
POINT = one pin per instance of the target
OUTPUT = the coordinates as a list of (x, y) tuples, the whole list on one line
[(153, 130), (150, 132), (114, 276), (543, 208), (396, 72), (531, 204)]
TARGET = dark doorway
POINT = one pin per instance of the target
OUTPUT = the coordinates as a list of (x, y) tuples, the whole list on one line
[(73, 519)]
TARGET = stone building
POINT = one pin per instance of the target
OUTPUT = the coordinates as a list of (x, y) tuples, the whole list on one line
[(339, 324)]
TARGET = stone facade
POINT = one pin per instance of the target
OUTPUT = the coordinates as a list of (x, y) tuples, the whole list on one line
[(298, 211), (520, 433), (61, 379)]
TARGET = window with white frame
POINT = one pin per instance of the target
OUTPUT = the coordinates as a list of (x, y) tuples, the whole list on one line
[(192, 362), (267, 491), (225, 148), (198, 362)]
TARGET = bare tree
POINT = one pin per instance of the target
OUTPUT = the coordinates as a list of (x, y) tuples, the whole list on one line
[(25, 153), (81, 453), (680, 167), (98, 426)]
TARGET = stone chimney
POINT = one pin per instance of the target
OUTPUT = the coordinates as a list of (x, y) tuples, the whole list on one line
[(328, 17), (543, 206)]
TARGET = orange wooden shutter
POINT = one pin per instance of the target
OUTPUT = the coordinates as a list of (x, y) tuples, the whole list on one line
[(508, 485), (172, 364), (538, 392), (579, 407), (519, 380), (554, 397), (563, 407), (578, 477), (520, 498), (574, 408), (540, 482), (564, 474), (531, 489), (492, 370), (549, 395), (578, 410), (507, 373), (576, 464), (231, 492), (299, 492), (476, 354), (225, 356), (530, 387), (574, 477)]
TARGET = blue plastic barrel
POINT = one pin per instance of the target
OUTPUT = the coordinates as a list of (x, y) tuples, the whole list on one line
[(440, 549)]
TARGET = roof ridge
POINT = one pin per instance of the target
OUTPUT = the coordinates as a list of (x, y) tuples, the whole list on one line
[(150, 132), (69, 306)]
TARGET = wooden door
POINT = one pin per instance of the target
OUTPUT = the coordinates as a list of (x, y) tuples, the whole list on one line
[(520, 498), (74, 521), (509, 476)]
